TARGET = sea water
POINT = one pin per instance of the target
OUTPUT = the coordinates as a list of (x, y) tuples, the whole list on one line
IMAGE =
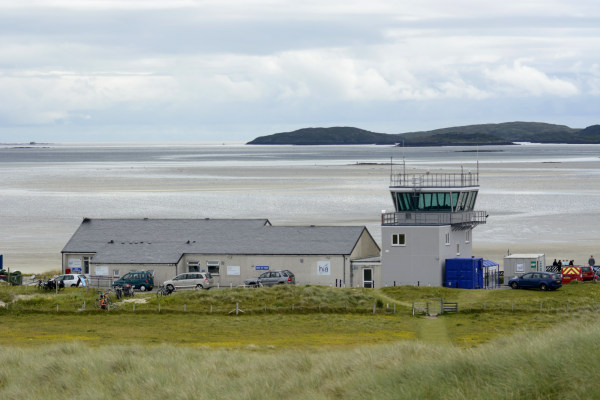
[(539, 198)]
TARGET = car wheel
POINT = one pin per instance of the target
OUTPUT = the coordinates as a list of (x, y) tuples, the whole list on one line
[(199, 287), (73, 285), (543, 286), (170, 288), (142, 288), (514, 285)]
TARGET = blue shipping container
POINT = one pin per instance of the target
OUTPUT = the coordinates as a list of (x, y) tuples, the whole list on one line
[(464, 273)]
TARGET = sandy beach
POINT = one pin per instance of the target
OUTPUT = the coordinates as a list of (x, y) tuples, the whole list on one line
[(534, 207)]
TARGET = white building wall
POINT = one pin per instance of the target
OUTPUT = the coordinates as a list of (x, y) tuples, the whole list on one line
[(421, 260), (235, 269)]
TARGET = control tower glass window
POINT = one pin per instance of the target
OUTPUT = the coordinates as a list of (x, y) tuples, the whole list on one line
[(435, 201)]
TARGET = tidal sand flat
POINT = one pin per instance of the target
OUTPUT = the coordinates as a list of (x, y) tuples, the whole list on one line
[(540, 198)]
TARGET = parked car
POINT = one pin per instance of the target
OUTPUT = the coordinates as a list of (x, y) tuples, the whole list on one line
[(190, 280), (587, 273), (71, 280), (142, 280), (537, 280), (271, 278)]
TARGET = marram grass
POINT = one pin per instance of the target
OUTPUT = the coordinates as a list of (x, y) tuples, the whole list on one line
[(560, 363)]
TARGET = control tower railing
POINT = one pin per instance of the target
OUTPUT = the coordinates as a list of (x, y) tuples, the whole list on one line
[(464, 179), (458, 220)]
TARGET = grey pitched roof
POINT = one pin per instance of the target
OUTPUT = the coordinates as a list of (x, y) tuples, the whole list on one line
[(164, 241)]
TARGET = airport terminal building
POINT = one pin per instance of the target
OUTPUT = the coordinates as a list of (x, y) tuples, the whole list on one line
[(232, 250)]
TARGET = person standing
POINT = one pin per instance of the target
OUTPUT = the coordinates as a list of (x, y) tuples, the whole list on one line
[(591, 261)]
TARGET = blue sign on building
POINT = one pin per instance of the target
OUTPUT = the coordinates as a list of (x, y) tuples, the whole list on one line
[(262, 267)]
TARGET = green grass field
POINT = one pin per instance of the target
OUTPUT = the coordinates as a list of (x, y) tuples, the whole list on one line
[(307, 342)]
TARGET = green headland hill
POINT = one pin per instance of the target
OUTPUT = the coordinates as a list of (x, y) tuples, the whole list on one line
[(471, 135)]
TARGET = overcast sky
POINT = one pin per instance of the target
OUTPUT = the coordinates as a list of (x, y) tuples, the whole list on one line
[(171, 70)]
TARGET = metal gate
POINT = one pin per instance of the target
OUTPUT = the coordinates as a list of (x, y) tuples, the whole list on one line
[(434, 307)]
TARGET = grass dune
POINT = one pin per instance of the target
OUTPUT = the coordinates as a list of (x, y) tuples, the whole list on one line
[(331, 346), (545, 365)]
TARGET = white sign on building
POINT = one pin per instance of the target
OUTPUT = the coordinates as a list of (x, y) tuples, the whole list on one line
[(74, 263), (323, 267), (519, 268), (233, 270), (102, 270)]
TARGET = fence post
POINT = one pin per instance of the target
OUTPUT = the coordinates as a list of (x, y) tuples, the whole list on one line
[(158, 307), (133, 307), (184, 307), (374, 305)]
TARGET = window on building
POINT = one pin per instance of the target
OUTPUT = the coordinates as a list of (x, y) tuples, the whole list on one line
[(193, 266), (86, 265), (447, 239), (457, 249), (116, 273), (434, 201), (468, 236), (213, 267), (472, 200), (398, 239)]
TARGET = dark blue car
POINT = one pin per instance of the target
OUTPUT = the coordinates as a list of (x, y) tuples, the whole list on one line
[(537, 280)]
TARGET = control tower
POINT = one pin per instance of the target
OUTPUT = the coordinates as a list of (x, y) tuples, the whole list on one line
[(434, 218)]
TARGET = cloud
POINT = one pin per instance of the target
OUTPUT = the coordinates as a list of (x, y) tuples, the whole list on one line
[(176, 64), (522, 80), (36, 97)]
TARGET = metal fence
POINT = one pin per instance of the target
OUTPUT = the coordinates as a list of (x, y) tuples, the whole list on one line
[(463, 179), (434, 218)]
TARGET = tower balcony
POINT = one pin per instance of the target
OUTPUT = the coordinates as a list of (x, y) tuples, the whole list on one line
[(458, 220), (434, 180)]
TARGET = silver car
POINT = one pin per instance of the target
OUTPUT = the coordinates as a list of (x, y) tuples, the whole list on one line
[(271, 278), (72, 280), (191, 280)]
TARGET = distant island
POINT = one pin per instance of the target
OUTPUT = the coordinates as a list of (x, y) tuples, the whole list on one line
[(507, 133)]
